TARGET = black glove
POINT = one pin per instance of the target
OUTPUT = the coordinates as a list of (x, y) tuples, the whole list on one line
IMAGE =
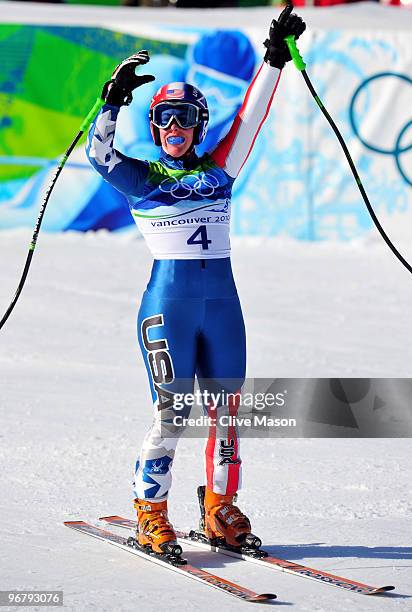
[(278, 53), (118, 91)]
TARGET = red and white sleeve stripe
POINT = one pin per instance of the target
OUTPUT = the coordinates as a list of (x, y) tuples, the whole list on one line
[(232, 152)]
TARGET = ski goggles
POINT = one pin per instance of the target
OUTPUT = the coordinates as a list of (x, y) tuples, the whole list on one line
[(185, 114)]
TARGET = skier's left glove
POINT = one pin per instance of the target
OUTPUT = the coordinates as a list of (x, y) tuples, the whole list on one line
[(118, 91), (278, 53)]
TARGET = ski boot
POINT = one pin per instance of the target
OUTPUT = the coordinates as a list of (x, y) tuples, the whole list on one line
[(223, 523), (154, 531)]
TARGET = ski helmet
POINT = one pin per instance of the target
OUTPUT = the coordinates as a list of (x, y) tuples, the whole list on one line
[(177, 94)]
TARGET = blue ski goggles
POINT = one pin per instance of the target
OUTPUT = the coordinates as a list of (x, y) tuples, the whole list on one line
[(185, 114)]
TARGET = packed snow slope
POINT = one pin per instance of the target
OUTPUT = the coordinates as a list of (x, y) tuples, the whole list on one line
[(75, 406)]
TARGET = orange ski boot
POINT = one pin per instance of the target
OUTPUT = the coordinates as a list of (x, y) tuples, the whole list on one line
[(220, 518), (154, 529)]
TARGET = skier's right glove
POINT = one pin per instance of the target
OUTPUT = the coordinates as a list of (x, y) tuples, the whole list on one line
[(278, 53), (118, 91)]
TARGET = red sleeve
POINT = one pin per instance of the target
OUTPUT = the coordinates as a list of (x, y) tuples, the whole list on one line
[(232, 152)]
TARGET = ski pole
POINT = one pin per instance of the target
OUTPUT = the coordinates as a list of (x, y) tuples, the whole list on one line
[(301, 66), (85, 124)]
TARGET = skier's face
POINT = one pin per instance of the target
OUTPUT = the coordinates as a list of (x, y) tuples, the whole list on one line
[(175, 140)]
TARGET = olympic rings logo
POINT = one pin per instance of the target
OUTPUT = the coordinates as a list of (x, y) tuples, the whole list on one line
[(202, 185), (400, 147)]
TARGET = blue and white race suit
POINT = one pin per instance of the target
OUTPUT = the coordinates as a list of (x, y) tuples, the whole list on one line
[(190, 321)]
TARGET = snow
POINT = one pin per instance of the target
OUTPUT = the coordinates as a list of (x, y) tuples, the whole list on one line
[(75, 406)]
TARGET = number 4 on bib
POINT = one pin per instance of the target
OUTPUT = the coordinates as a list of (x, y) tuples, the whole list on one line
[(201, 232)]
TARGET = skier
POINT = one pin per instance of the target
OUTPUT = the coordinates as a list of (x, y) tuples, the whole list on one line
[(190, 320)]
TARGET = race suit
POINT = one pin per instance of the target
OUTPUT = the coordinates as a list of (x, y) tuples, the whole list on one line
[(190, 321)]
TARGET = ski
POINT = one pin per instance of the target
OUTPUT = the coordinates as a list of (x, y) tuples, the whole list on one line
[(173, 563), (261, 557)]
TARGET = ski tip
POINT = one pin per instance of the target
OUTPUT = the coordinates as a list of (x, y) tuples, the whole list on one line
[(113, 517), (73, 523), (261, 598), (383, 589)]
